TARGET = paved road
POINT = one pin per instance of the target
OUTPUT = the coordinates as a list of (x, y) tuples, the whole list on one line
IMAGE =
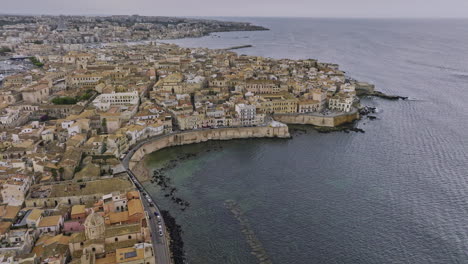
[(160, 243)]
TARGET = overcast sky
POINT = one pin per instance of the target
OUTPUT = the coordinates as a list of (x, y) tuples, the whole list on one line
[(291, 8)]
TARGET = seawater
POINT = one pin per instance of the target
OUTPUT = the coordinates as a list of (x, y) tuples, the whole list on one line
[(395, 194)]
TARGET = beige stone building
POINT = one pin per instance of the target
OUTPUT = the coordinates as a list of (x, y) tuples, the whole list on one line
[(278, 103), (83, 80), (36, 94), (308, 106), (264, 86), (173, 83)]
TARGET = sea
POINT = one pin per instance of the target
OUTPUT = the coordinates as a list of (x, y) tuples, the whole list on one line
[(397, 193)]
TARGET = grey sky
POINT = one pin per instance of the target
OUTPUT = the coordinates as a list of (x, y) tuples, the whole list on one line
[(305, 8)]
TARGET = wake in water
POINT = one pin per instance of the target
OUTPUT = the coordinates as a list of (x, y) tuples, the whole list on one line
[(440, 67)]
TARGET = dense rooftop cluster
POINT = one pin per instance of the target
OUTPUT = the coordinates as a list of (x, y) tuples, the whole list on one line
[(95, 29)]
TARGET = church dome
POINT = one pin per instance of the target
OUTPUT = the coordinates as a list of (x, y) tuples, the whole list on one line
[(94, 220)]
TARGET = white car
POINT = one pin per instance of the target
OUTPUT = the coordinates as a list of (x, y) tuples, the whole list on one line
[(160, 233)]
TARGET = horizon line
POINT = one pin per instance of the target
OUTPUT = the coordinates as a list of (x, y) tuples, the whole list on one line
[(233, 16)]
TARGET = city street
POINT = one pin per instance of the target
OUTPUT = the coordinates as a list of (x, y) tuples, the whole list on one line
[(160, 243)]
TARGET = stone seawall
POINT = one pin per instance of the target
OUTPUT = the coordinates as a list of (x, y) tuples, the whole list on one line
[(198, 136), (317, 120)]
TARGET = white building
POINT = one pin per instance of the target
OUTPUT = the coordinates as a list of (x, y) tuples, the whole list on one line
[(341, 103), (51, 224), (14, 190), (9, 117), (16, 242), (247, 114), (347, 88), (105, 101)]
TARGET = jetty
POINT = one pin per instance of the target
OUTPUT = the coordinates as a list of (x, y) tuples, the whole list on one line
[(238, 47)]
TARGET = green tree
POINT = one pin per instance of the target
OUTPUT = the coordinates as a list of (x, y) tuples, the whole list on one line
[(36, 62), (104, 125), (54, 174), (66, 100)]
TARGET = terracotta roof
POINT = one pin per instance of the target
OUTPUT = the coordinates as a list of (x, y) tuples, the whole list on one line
[(9, 212), (50, 221), (133, 195), (135, 207), (34, 215), (4, 227), (118, 217), (78, 209)]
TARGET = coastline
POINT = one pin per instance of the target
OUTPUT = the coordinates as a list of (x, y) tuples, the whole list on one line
[(321, 123), (151, 145)]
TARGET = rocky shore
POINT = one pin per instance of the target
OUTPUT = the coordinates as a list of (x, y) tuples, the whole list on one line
[(386, 96), (347, 128), (176, 245), (159, 177)]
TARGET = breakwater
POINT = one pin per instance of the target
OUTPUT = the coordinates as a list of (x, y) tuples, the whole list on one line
[(238, 47), (256, 246)]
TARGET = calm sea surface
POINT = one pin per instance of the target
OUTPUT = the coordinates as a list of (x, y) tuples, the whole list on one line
[(396, 194)]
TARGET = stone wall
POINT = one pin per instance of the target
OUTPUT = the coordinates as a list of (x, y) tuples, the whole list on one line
[(198, 136), (317, 120)]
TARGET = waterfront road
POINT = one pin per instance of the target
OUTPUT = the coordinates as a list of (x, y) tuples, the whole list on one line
[(160, 243)]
